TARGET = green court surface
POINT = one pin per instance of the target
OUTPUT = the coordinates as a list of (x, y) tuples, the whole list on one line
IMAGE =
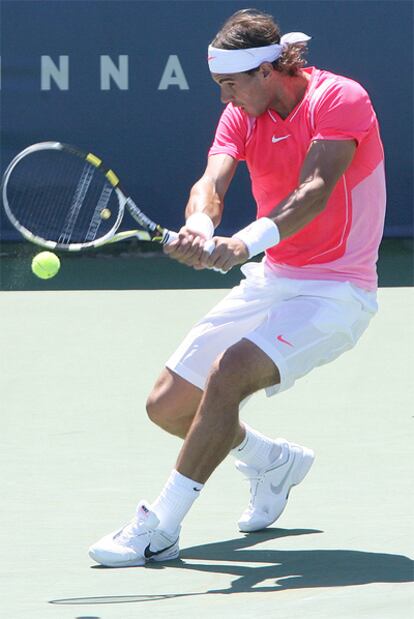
[(78, 453)]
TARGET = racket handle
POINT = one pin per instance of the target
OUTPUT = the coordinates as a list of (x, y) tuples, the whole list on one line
[(209, 247), (170, 236)]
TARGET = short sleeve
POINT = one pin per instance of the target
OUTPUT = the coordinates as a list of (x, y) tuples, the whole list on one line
[(231, 134), (343, 112)]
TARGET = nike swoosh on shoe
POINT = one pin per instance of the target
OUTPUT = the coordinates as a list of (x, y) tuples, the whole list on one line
[(148, 553), (278, 489)]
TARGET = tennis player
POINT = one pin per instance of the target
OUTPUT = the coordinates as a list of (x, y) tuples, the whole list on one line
[(311, 143)]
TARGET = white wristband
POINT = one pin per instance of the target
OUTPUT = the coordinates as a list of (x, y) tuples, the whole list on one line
[(259, 235), (201, 224)]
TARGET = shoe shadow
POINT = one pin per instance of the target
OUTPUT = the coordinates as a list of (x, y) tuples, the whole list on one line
[(280, 569), (295, 569)]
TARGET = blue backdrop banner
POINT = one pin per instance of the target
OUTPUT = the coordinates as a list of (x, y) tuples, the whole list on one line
[(129, 81)]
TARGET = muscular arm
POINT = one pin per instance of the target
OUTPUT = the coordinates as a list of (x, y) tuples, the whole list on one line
[(325, 162), (206, 196)]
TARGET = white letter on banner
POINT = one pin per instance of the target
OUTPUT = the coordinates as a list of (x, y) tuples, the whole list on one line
[(49, 71), (118, 73), (173, 75)]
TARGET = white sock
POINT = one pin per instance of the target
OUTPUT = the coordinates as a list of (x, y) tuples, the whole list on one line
[(257, 450), (175, 500)]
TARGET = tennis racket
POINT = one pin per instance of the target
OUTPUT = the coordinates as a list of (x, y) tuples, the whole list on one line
[(62, 198)]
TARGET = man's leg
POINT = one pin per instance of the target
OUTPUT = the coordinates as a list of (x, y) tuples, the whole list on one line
[(173, 403), (240, 371), (215, 429)]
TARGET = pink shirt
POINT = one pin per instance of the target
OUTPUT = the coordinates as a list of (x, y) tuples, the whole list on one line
[(342, 242)]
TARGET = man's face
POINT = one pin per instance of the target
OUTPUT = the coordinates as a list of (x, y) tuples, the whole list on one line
[(248, 92)]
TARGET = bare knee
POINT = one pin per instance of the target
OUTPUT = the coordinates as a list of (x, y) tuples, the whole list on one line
[(240, 371), (173, 403), (161, 409), (156, 410)]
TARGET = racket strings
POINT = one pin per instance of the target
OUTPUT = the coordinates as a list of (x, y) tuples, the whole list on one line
[(101, 207), (60, 197), (31, 193), (77, 203)]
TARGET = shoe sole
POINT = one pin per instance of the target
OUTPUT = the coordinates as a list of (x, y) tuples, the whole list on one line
[(136, 562), (308, 457)]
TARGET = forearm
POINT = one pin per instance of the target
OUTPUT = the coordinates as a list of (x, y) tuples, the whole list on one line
[(325, 163), (288, 217), (203, 211), (205, 198), (300, 207)]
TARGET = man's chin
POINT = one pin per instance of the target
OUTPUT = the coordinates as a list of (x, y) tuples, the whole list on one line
[(255, 113), (250, 112)]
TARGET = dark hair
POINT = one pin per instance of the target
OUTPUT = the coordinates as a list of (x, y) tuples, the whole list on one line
[(252, 28)]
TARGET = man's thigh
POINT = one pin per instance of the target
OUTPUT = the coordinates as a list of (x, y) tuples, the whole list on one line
[(240, 312), (240, 371), (305, 332)]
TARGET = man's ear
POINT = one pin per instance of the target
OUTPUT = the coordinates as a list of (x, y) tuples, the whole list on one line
[(266, 69)]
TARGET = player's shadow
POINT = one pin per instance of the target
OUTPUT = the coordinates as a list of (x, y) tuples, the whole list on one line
[(294, 569), (279, 569)]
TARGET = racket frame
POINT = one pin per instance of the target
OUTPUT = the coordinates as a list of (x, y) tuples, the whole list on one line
[(151, 232)]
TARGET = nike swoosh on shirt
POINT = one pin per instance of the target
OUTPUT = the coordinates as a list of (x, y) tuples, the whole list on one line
[(278, 489), (275, 140)]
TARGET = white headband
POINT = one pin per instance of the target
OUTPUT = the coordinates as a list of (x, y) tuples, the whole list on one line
[(239, 60)]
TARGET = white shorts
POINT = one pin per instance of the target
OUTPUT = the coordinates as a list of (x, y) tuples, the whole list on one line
[(299, 324)]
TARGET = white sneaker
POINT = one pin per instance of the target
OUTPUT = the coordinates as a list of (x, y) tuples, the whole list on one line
[(137, 542), (270, 487)]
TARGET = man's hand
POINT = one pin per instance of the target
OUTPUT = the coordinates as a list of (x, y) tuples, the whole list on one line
[(226, 254), (188, 250)]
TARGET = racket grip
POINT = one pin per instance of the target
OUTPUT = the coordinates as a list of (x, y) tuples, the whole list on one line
[(209, 247), (170, 236)]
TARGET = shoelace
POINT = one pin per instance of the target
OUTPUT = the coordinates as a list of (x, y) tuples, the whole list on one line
[(132, 529), (254, 486)]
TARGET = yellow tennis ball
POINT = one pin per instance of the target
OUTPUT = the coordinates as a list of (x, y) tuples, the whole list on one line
[(45, 265), (105, 213)]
